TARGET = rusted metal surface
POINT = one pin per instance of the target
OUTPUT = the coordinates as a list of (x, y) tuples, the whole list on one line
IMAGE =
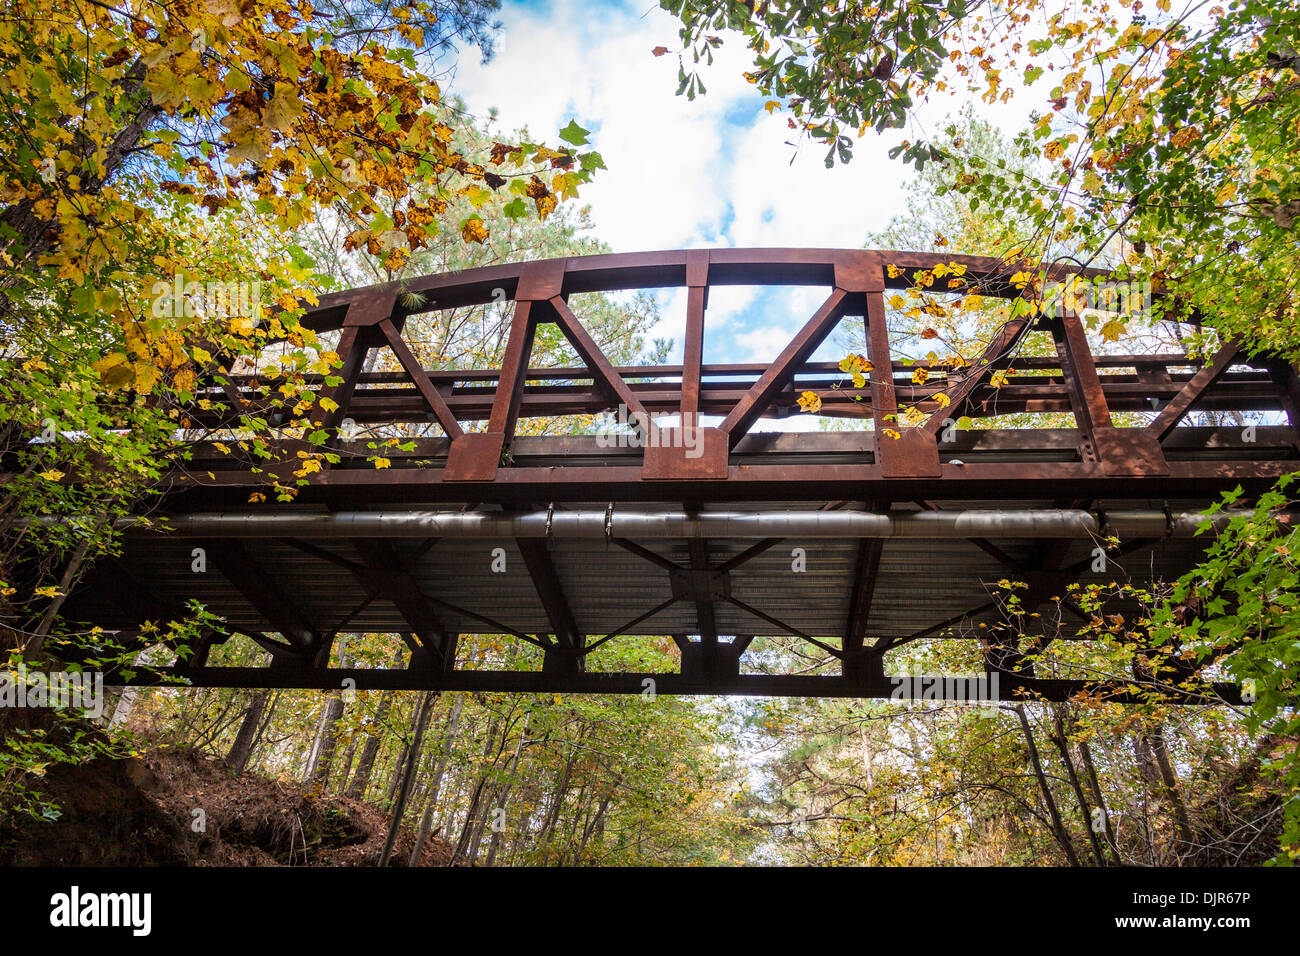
[(857, 598)]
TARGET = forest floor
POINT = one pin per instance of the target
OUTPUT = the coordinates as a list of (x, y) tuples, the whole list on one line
[(182, 808)]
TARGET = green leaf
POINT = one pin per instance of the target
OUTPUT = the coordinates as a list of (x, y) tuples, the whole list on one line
[(575, 134)]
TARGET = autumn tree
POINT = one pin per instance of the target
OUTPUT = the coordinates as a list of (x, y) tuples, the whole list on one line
[(155, 160)]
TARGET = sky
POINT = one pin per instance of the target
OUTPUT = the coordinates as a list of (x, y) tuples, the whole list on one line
[(718, 171)]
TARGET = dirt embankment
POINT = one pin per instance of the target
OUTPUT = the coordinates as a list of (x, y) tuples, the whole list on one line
[(180, 808)]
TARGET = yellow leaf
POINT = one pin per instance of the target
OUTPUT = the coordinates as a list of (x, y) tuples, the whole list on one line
[(382, 462), (52, 475), (284, 108), (146, 376), (473, 230), (810, 402), (943, 400), (1112, 330)]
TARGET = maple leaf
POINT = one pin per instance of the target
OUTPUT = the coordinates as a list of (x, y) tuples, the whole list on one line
[(575, 134), (473, 230), (1112, 330), (810, 402), (285, 107), (502, 151)]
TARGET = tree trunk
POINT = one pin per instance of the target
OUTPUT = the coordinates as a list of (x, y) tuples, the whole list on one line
[(395, 778), (237, 759), (1085, 753), (1062, 836), (348, 757), (499, 809), (408, 776), (1063, 748), (435, 785), (1156, 742), (597, 824), (322, 752), (262, 728), (553, 812), (366, 766), (476, 799)]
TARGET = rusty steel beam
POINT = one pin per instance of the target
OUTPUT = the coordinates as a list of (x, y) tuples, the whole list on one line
[(437, 404), (237, 564), (1011, 687), (345, 487), (601, 367), (569, 640), (1195, 388), (1238, 391)]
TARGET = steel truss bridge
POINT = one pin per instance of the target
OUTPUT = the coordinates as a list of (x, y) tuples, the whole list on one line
[(567, 543)]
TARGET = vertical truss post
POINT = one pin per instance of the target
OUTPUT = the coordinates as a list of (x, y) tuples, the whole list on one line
[(859, 666), (697, 300), (690, 451), (1119, 451), (915, 451)]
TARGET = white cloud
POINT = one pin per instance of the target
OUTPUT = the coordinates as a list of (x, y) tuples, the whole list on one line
[(681, 173), (664, 152), (716, 171)]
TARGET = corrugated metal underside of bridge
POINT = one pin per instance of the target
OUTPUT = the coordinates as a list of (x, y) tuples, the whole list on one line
[(920, 582)]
